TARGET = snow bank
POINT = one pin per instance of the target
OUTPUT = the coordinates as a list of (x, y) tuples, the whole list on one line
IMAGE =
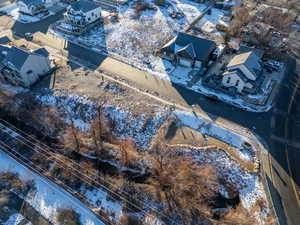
[(48, 197)]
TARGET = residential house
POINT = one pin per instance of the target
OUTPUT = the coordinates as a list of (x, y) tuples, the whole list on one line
[(22, 67), (188, 50), (31, 7), (80, 16), (242, 72)]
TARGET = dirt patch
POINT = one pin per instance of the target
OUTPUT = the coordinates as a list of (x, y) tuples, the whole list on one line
[(176, 135)]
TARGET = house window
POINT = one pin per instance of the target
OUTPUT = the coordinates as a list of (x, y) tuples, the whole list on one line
[(237, 83), (93, 14), (228, 80), (29, 72), (89, 19)]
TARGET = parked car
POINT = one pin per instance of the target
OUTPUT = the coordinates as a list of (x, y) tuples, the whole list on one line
[(28, 36), (212, 98), (218, 51)]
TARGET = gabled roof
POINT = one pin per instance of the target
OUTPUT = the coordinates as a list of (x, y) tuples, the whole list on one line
[(84, 6), (201, 47), (249, 59), (187, 51), (32, 2), (42, 51), (17, 57), (244, 49)]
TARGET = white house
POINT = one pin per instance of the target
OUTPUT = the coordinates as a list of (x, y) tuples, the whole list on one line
[(23, 67), (242, 72), (79, 16), (31, 7)]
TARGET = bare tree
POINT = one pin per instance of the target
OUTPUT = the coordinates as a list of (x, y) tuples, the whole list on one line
[(184, 186), (97, 130), (72, 133)]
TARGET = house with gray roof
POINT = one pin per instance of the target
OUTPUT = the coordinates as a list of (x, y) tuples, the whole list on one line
[(242, 72), (31, 7), (22, 67), (188, 50), (80, 16)]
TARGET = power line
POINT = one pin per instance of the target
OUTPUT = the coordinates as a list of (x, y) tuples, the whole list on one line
[(78, 176), (5, 148)]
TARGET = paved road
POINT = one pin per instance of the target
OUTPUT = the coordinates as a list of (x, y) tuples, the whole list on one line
[(270, 126), (284, 153)]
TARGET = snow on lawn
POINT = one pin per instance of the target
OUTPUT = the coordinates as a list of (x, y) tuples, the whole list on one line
[(78, 110), (248, 184), (48, 197), (99, 199), (208, 22), (190, 9), (138, 127), (197, 123)]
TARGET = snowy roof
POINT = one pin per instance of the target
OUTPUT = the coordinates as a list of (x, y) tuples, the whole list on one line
[(84, 6), (194, 45), (32, 2), (249, 59)]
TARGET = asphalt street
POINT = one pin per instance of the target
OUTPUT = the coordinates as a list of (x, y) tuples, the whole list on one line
[(283, 173)]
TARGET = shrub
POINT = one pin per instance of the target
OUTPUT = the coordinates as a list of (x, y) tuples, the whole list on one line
[(221, 27), (68, 217), (127, 219)]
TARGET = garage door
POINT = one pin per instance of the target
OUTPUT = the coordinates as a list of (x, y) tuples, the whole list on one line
[(185, 62)]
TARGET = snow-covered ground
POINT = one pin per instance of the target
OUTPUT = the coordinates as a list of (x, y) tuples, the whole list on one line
[(100, 199), (140, 128), (209, 21), (48, 197)]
